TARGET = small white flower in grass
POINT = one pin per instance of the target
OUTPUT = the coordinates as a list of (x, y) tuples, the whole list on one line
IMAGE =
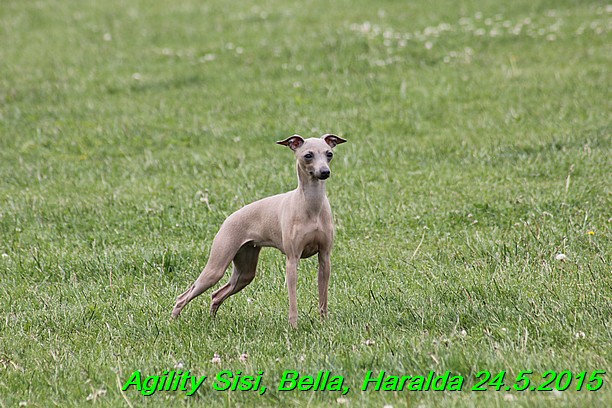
[(556, 393), (480, 32), (560, 257), (239, 50), (216, 359), (551, 37), (23, 403), (430, 31), (208, 57), (463, 333), (302, 358), (136, 76), (369, 342), (555, 27), (387, 406), (580, 335), (509, 397), (179, 365), (250, 300), (96, 394), (342, 400), (428, 45), (243, 357), (107, 37), (5, 255)]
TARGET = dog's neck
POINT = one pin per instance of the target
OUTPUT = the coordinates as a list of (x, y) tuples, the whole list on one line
[(311, 191)]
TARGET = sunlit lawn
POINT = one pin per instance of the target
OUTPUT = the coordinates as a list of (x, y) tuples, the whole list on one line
[(472, 201)]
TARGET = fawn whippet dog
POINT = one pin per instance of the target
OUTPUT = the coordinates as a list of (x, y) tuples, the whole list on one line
[(298, 223)]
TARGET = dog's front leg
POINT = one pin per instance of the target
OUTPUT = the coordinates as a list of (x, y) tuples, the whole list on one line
[(323, 280), (292, 264)]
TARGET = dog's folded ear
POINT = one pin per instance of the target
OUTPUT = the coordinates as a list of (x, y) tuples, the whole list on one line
[(332, 140), (294, 142)]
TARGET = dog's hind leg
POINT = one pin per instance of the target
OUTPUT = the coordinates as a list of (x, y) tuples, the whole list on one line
[(224, 249), (245, 265)]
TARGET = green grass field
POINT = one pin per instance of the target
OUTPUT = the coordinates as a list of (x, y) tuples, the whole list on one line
[(479, 153)]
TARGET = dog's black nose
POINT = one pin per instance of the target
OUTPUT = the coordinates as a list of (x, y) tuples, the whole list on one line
[(324, 174)]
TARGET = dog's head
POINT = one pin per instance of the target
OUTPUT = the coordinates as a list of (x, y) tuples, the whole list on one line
[(313, 154)]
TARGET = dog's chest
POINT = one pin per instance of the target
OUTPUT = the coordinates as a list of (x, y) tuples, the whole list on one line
[(312, 240)]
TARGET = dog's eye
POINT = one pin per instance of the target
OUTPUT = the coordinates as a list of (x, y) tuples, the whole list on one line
[(308, 156), (330, 155)]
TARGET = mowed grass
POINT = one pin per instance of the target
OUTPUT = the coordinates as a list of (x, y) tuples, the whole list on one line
[(479, 152)]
